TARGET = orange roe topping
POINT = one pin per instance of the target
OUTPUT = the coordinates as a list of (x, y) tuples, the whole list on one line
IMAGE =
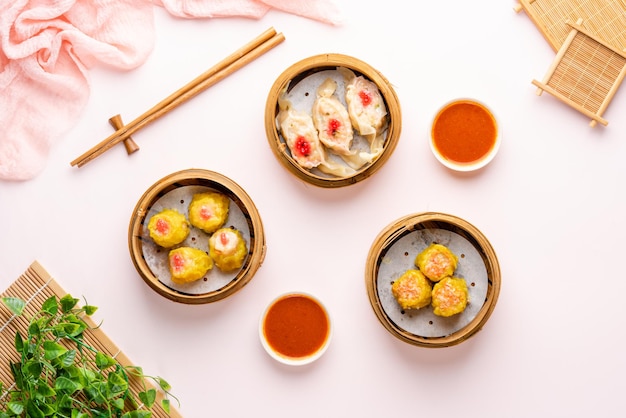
[(333, 127), (302, 146), (224, 238), (366, 97), (178, 262), (206, 212), (162, 226)]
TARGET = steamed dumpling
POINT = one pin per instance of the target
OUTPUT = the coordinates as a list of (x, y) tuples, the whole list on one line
[(331, 119), (208, 211), (300, 135), (366, 107), (168, 228), (412, 290), (436, 262), (449, 296), (228, 249), (188, 264)]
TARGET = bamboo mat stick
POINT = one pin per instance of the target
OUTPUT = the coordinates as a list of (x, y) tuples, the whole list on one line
[(243, 56)]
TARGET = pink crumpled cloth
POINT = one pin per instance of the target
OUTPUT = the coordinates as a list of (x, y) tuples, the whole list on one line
[(48, 46)]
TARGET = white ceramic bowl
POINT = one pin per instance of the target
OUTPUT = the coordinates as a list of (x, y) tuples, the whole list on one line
[(465, 134), (289, 337)]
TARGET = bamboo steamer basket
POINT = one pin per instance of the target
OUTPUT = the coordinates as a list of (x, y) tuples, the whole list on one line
[(308, 67), (182, 182), (394, 251)]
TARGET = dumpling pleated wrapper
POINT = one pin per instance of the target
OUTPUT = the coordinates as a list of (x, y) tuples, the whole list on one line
[(412, 290), (301, 137), (228, 249), (366, 106), (188, 264), (436, 262), (331, 119), (208, 211), (449, 296), (168, 228)]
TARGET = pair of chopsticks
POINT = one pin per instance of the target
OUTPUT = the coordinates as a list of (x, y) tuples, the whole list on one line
[(244, 55)]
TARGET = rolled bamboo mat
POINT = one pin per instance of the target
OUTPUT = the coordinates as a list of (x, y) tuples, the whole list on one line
[(34, 286), (585, 74), (605, 19)]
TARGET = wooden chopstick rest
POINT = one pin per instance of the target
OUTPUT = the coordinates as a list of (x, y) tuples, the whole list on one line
[(129, 143)]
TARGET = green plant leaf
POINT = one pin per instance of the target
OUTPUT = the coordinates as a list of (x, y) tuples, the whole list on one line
[(67, 359), (104, 361), (32, 411), (65, 384), (163, 384), (50, 306), (90, 309), (15, 305), (32, 368), (17, 408), (68, 303), (116, 383), (53, 350), (148, 397), (19, 342), (165, 404)]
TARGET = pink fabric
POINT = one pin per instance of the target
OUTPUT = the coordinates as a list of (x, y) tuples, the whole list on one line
[(48, 46)]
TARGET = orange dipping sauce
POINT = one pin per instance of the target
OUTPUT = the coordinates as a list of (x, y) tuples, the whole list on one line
[(296, 326), (464, 132)]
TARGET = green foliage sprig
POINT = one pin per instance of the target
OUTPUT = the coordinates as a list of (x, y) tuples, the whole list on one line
[(60, 375)]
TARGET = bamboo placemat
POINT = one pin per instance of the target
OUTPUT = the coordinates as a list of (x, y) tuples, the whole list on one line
[(585, 73), (34, 286), (605, 19)]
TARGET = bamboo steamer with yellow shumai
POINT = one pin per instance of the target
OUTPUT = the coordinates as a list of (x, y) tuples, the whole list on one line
[(449, 296), (412, 290), (436, 262), (188, 264), (228, 249), (208, 211), (168, 228)]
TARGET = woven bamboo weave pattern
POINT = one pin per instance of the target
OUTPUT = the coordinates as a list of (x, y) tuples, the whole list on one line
[(604, 18), (587, 81), (34, 286)]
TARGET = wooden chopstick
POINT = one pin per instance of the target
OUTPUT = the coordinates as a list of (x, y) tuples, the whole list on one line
[(244, 55)]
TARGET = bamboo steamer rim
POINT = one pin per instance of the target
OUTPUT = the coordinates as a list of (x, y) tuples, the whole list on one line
[(215, 181), (406, 224), (310, 66)]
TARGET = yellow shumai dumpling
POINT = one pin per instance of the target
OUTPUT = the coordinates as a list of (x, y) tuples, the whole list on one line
[(208, 211), (436, 262), (450, 296), (168, 228), (228, 249), (412, 290), (188, 264)]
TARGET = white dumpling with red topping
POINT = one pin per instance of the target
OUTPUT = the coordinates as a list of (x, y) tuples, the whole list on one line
[(331, 119), (366, 106), (300, 135)]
